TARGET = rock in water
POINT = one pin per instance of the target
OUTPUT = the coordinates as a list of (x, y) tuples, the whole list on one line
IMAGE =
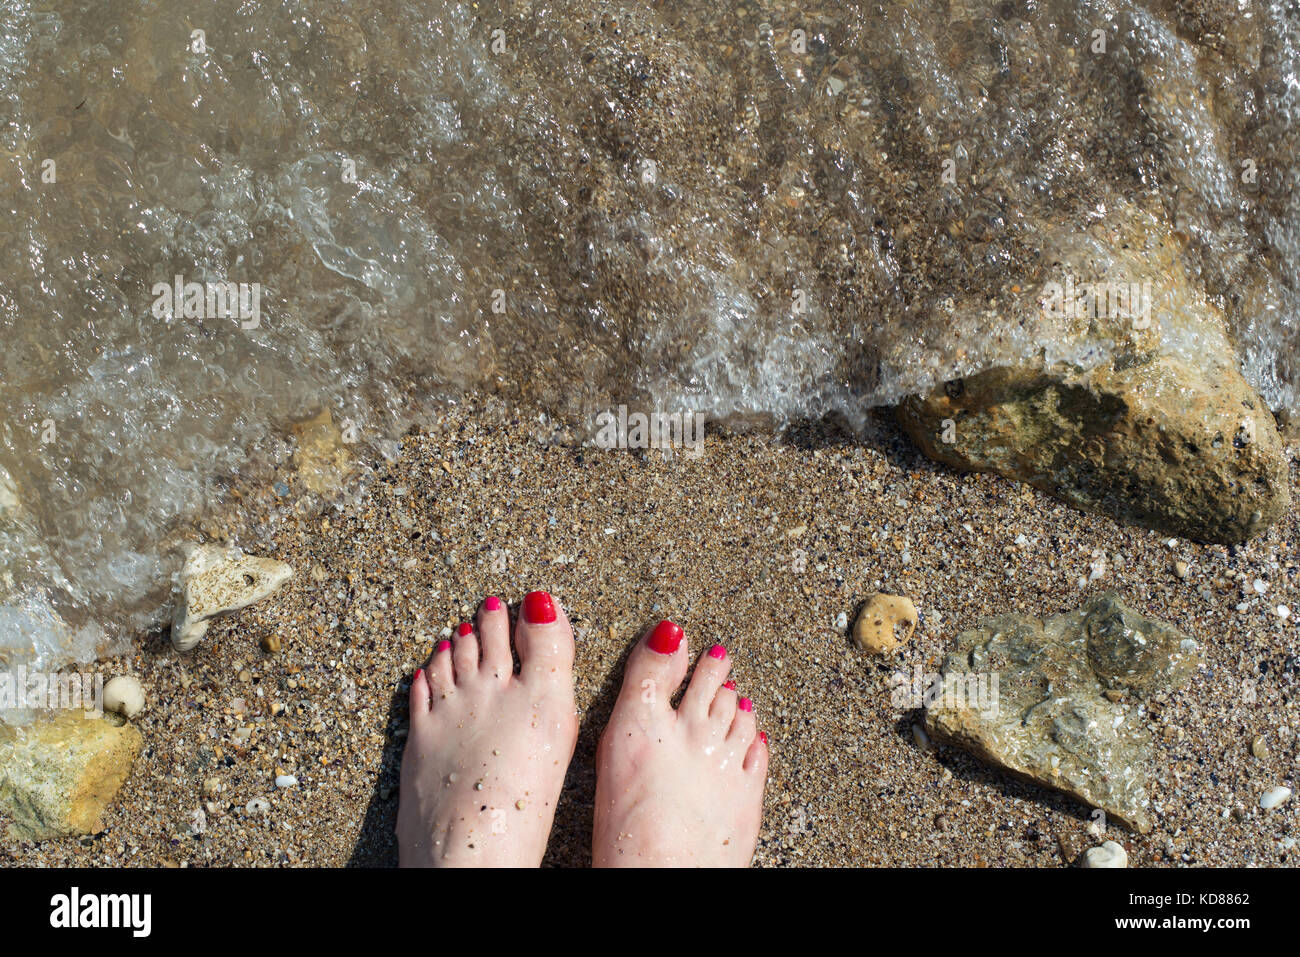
[(217, 580), (1150, 440), (57, 776), (1031, 696)]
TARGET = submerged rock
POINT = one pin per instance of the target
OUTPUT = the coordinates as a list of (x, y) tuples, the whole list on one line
[(217, 580), (57, 776), (1049, 717), (1149, 440)]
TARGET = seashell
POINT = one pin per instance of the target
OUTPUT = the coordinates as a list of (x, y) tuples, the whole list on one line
[(1274, 797), (1109, 854), (885, 623), (124, 695)]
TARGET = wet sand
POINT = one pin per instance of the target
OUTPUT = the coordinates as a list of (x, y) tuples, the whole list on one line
[(761, 543)]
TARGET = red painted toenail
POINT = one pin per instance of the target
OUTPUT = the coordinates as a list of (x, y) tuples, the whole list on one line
[(762, 736), (442, 645), (665, 638), (717, 651), (745, 705), (463, 629), (492, 604), (729, 685), (538, 608)]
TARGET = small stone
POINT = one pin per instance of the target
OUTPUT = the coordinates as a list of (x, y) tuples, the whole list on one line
[(271, 643), (1182, 569), (286, 781), (1071, 844), (1283, 612), (520, 804), (920, 737), (258, 807), (1259, 748), (885, 623), (211, 786), (124, 695), (1274, 797), (245, 676), (1109, 854)]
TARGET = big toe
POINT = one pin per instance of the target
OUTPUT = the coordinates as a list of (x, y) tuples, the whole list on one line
[(544, 639), (654, 669)]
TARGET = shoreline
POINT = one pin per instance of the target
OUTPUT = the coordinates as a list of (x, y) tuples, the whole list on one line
[(768, 544)]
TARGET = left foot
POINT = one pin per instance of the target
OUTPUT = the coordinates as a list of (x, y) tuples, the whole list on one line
[(488, 749)]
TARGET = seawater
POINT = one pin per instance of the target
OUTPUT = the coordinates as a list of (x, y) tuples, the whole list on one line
[(762, 211)]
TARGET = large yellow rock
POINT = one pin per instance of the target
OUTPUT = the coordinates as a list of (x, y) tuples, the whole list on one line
[(57, 776)]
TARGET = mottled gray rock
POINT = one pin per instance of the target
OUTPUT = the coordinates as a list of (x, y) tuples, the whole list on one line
[(1063, 710)]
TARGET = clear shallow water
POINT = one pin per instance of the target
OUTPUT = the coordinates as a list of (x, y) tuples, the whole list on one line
[(679, 206)]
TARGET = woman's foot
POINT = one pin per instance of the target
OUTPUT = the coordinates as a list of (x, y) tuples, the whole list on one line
[(488, 749), (678, 787)]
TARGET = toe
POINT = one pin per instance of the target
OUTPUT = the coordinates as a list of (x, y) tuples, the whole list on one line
[(419, 701), (439, 673), (494, 638), (710, 673), (654, 669), (464, 651), (544, 639), (756, 757), (723, 709), (744, 726)]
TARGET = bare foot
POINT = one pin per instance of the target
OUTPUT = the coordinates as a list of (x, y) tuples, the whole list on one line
[(487, 750), (684, 787)]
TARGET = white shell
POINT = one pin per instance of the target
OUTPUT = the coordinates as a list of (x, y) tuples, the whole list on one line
[(1274, 797), (286, 781), (1109, 854), (124, 695)]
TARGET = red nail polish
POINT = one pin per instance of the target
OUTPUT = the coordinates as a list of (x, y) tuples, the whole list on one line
[(745, 705), (538, 608), (717, 651), (416, 677), (493, 603), (729, 685), (762, 736), (442, 645), (665, 639), (463, 629)]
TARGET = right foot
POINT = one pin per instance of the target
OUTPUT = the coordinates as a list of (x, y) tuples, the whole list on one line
[(678, 787), (487, 751)]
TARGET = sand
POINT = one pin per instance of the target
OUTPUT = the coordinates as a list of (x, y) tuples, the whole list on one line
[(761, 542)]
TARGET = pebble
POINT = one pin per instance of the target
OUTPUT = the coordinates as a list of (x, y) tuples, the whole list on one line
[(271, 643), (1274, 797), (1182, 569), (877, 627), (258, 806), (1258, 747), (286, 781), (1283, 612), (124, 695), (1109, 854)]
